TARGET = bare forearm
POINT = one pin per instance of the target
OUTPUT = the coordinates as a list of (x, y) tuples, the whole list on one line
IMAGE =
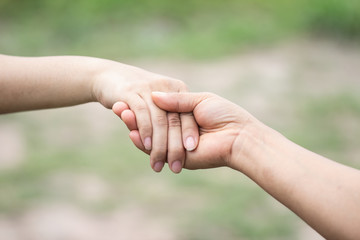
[(323, 193), (45, 82)]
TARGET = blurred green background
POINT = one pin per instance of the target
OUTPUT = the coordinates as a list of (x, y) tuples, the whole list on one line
[(73, 174), (200, 28)]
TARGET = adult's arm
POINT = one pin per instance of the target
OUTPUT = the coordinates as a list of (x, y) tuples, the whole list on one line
[(28, 83), (324, 193)]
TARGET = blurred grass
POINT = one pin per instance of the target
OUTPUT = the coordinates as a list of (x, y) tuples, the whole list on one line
[(204, 204), (192, 28)]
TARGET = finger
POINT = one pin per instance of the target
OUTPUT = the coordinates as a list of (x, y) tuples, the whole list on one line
[(208, 154), (136, 139), (190, 131), (160, 135), (143, 119), (189, 127), (178, 102), (176, 152), (129, 119), (126, 115), (119, 107)]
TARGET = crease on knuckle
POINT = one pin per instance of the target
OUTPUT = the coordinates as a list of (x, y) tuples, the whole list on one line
[(161, 120), (174, 120)]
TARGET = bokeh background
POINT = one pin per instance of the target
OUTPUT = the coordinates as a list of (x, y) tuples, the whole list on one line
[(73, 173)]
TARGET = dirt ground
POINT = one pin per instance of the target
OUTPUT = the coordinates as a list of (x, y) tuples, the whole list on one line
[(263, 81)]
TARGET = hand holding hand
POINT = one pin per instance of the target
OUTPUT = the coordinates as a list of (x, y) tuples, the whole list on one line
[(308, 184), (220, 121), (123, 87)]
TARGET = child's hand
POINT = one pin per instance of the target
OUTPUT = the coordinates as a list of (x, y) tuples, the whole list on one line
[(133, 86)]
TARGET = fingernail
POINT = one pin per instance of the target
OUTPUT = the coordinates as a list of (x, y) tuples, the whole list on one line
[(147, 143), (176, 166), (190, 144), (158, 166)]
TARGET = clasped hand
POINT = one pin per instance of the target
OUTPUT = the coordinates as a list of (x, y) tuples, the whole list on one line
[(165, 136), (220, 123)]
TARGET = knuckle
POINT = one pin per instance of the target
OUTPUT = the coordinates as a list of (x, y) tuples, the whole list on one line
[(140, 107), (171, 84), (174, 120), (182, 86), (178, 85), (161, 81), (161, 120)]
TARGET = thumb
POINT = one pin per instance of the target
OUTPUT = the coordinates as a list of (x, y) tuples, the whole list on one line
[(178, 102)]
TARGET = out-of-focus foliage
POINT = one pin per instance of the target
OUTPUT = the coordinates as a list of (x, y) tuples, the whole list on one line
[(192, 28), (66, 149), (341, 18)]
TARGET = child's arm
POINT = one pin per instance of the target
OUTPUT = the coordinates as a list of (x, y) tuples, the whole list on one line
[(28, 83), (45, 82)]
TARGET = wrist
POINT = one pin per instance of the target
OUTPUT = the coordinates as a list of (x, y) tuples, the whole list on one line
[(250, 145), (102, 74)]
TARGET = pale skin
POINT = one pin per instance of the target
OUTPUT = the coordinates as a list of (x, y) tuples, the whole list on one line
[(324, 193), (29, 83)]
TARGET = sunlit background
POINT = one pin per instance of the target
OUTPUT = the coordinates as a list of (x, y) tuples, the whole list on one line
[(73, 173)]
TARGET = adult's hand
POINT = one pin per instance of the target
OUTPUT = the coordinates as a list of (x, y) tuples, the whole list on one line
[(324, 193), (220, 123)]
